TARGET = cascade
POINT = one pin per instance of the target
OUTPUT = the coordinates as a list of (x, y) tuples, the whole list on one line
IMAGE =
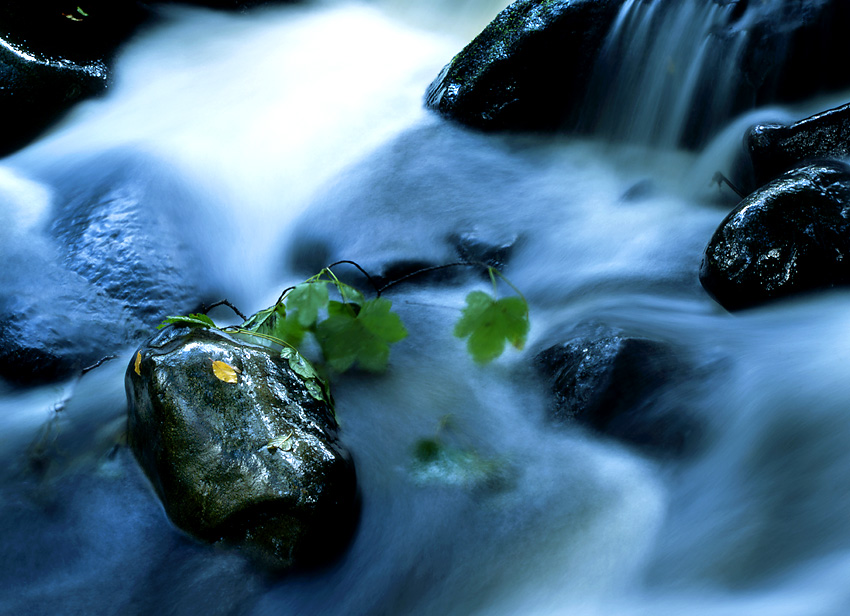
[(667, 73)]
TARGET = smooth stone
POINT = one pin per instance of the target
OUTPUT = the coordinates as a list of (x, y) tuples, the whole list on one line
[(208, 447)]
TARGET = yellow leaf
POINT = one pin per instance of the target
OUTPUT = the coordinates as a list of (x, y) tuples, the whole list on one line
[(225, 372), (282, 442), (138, 363)]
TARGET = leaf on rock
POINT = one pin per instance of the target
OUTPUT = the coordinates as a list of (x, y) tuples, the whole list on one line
[(282, 442), (225, 372), (306, 299), (315, 390), (192, 320), (137, 365), (316, 386), (489, 323), (299, 364), (348, 337)]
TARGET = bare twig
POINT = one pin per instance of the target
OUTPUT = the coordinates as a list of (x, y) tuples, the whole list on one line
[(224, 302), (97, 364), (719, 179), (434, 268)]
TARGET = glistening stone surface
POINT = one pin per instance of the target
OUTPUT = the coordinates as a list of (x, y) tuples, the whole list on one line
[(776, 148), (255, 462), (527, 67), (618, 383), (791, 235)]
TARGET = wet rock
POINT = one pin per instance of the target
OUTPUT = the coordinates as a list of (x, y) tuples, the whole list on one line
[(54, 323), (788, 47), (473, 247), (776, 148), (790, 236), (205, 445), (115, 262), (121, 223), (54, 54), (527, 67), (79, 32), (544, 65), (34, 92), (618, 383)]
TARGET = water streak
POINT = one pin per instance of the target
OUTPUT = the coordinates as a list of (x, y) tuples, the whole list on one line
[(665, 67)]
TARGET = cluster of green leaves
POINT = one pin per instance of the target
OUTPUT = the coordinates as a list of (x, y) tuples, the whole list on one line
[(354, 331), (350, 330)]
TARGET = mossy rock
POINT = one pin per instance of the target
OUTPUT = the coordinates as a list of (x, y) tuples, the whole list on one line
[(252, 460)]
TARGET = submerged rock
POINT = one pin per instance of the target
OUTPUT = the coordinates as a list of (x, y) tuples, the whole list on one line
[(116, 261), (53, 322), (791, 235), (253, 460), (121, 222), (527, 67), (615, 383), (776, 148)]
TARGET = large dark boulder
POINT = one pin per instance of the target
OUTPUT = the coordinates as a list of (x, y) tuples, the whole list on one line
[(776, 148), (527, 67), (790, 236), (34, 92), (617, 383), (80, 32), (217, 452), (54, 54)]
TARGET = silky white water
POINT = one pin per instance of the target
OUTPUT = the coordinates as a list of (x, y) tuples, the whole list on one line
[(304, 129)]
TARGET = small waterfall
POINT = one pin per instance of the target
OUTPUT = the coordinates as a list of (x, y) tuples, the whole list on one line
[(667, 73)]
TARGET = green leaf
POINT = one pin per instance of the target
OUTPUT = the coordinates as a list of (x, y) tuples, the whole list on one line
[(317, 387), (489, 323), (349, 294), (192, 320), (299, 364), (276, 323), (306, 300), (348, 337), (264, 321)]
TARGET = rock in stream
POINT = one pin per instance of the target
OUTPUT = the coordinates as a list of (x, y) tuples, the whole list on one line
[(790, 236), (254, 460)]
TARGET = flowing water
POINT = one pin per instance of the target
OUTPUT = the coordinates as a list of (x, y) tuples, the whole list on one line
[(304, 128)]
